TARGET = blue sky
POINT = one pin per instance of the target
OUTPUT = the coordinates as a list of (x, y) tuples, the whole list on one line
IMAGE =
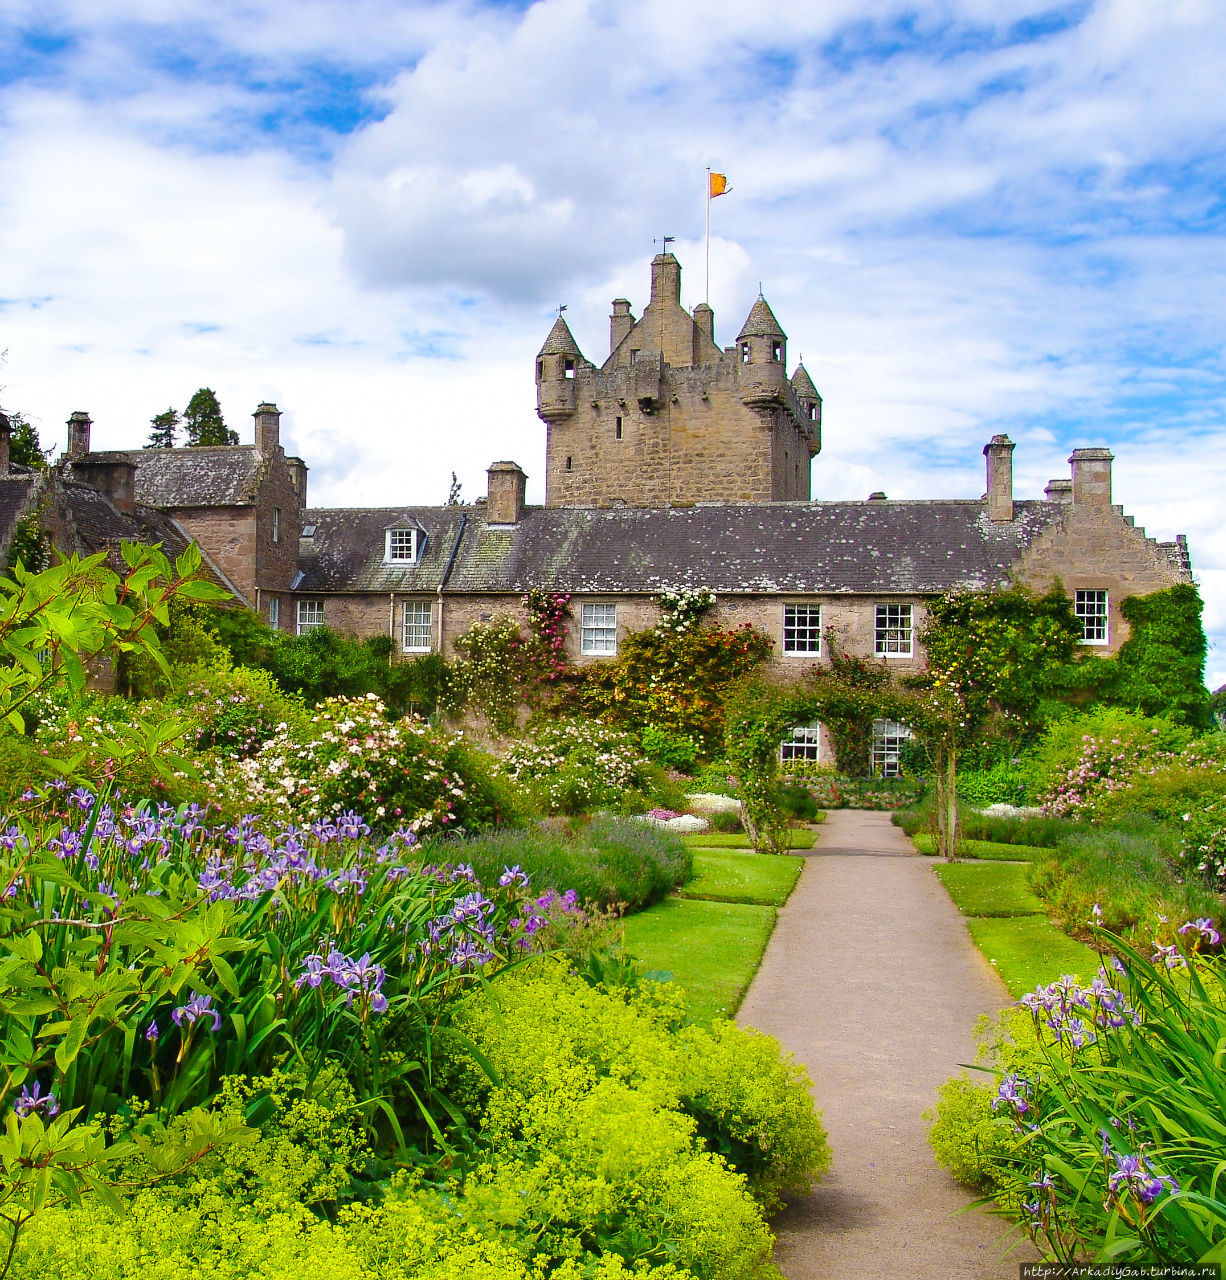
[(971, 216)]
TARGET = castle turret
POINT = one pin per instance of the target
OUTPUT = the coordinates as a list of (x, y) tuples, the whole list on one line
[(557, 364), (762, 350), (811, 407)]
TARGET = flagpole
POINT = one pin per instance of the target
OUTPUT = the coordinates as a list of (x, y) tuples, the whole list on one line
[(707, 297)]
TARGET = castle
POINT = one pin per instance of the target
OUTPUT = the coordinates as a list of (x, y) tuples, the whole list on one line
[(674, 463)]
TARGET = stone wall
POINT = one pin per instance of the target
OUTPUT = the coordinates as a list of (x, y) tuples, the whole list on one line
[(228, 536), (1097, 547)]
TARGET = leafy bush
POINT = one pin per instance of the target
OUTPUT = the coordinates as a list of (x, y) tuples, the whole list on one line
[(726, 822), (610, 863), (606, 1123), (673, 678), (1128, 871), (577, 766), (1202, 844), (1041, 831), (235, 710), (349, 757), (1002, 784), (832, 790), (715, 778), (672, 750)]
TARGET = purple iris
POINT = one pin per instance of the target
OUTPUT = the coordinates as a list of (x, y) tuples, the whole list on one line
[(1203, 928), (32, 1100), (151, 1031), (1132, 1173), (515, 875), (1012, 1090), (197, 1007)]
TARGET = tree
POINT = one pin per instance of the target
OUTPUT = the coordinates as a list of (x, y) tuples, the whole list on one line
[(163, 428), (25, 449), (453, 493), (203, 421)]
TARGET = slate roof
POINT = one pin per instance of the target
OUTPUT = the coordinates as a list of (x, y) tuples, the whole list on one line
[(208, 476), (760, 323), (100, 526), (560, 341), (733, 548), (14, 493)]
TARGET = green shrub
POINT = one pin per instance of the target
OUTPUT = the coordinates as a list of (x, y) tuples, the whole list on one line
[(1128, 870), (1002, 784), (726, 821), (714, 778), (235, 709), (1037, 830), (611, 862), (607, 1124), (672, 750)]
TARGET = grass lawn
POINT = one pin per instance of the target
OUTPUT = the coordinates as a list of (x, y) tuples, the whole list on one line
[(1028, 950), (732, 876), (798, 838), (989, 889), (991, 850), (711, 948)]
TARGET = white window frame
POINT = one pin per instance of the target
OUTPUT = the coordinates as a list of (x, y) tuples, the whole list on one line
[(310, 615), (394, 545), (416, 626), (598, 630), (276, 524), (805, 745), (1092, 605), (894, 631), (888, 737), (274, 613), (802, 630)]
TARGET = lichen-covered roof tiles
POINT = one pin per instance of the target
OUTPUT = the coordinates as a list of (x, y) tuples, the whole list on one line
[(100, 526), (209, 476), (734, 548), (14, 494)]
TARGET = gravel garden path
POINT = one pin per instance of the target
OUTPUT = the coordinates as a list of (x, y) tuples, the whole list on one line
[(871, 979)]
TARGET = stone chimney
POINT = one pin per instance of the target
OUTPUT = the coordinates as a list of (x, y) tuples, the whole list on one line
[(704, 318), (1059, 491), (79, 424), (1092, 477), (505, 503), (620, 322), (665, 279), (999, 453), (298, 478), (267, 428), (6, 433)]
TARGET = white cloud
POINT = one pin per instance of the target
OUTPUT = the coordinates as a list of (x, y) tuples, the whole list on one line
[(962, 231)]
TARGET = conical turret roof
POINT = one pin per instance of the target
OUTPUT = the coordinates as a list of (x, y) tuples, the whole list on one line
[(760, 323), (560, 341), (802, 384)]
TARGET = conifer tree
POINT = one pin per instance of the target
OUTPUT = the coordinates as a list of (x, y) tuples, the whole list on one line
[(203, 421), (162, 430), (24, 447)]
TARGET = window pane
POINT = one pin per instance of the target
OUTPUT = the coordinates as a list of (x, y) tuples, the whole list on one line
[(310, 615), (599, 629), (416, 626), (802, 628), (888, 737), (1091, 608), (804, 744), (401, 544), (893, 632), (274, 613)]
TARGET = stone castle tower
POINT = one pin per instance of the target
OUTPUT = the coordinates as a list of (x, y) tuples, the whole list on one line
[(669, 419)]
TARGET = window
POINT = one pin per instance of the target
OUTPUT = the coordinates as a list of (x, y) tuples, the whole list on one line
[(276, 524), (813, 413), (617, 428), (540, 370), (893, 636), (415, 625), (804, 744), (744, 352), (568, 463), (599, 629), (401, 546), (1091, 608), (634, 355), (568, 369), (802, 629), (308, 530), (888, 737), (777, 351), (310, 615), (274, 613)]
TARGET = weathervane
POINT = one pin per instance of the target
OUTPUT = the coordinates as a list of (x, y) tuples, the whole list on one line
[(561, 308), (666, 241)]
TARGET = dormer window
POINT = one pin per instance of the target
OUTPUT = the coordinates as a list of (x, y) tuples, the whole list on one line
[(777, 351), (744, 352), (401, 547)]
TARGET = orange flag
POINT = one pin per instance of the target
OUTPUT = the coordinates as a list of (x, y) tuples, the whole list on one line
[(719, 184)]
